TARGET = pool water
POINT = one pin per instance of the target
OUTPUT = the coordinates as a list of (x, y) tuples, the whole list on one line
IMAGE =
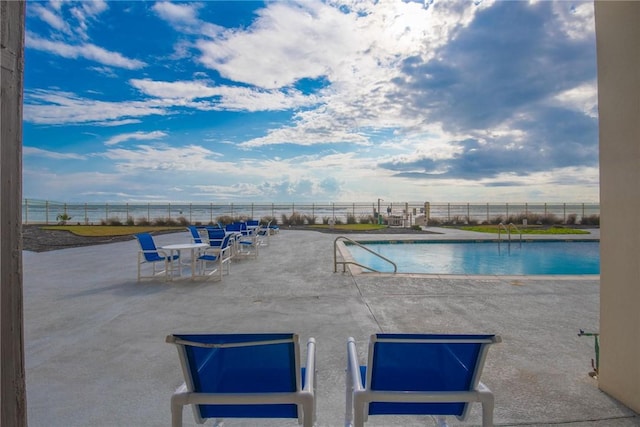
[(484, 258)]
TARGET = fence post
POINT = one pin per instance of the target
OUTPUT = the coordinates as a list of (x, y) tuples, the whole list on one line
[(106, 212), (46, 212), (86, 217), (26, 211)]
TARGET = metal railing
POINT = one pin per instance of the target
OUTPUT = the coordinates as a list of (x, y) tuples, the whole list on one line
[(401, 214), (344, 263)]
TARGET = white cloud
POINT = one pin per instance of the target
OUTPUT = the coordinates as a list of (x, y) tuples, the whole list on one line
[(35, 151), (227, 97), (88, 51), (139, 136), (582, 98), (50, 17), (184, 17), (54, 107), (162, 158)]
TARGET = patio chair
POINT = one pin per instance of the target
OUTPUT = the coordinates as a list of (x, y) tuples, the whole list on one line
[(195, 234), (244, 376), (263, 232), (218, 255), (149, 254), (418, 374), (246, 243)]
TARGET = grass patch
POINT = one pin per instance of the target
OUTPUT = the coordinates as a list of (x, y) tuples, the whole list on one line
[(109, 230), (524, 230), (349, 227)]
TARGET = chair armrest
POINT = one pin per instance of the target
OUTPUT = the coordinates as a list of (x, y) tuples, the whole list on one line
[(310, 371), (353, 366)]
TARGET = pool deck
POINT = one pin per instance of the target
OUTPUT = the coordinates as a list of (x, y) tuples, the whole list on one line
[(95, 338)]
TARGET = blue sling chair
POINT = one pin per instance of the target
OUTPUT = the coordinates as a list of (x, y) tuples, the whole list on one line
[(244, 376), (418, 374), (219, 254), (195, 234), (149, 254)]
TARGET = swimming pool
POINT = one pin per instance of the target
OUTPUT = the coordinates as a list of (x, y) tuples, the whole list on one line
[(483, 257)]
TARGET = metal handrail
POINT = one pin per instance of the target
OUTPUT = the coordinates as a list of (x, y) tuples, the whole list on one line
[(507, 228), (344, 263)]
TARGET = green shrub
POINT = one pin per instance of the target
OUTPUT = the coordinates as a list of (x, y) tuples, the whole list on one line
[(297, 219), (143, 221), (114, 220), (223, 220), (591, 220), (182, 221)]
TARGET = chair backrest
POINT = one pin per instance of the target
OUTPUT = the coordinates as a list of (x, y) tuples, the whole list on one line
[(253, 223), (216, 236), (235, 226), (195, 234), (425, 362), (148, 247), (240, 364)]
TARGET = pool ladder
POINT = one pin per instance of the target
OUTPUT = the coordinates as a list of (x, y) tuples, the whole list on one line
[(344, 263), (507, 229)]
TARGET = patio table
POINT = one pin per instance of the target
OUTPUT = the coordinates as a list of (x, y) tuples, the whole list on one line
[(177, 247)]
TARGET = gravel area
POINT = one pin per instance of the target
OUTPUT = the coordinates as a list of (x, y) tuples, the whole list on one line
[(36, 239)]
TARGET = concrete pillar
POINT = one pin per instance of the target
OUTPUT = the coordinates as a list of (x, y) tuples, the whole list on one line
[(12, 377), (618, 47)]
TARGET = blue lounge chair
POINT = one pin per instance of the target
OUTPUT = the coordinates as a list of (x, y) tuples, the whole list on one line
[(217, 254), (244, 376), (149, 254), (418, 374)]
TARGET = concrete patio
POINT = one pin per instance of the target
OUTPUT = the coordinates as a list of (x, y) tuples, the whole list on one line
[(95, 338)]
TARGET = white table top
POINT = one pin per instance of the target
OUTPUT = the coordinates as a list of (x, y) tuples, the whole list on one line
[(181, 246)]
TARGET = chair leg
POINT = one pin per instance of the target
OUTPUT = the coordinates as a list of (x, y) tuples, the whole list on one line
[(176, 414), (348, 414), (358, 411), (487, 400)]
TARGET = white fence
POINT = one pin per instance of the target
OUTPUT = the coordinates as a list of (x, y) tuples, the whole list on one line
[(394, 213)]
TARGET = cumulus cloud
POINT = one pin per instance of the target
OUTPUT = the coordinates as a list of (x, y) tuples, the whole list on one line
[(540, 87)]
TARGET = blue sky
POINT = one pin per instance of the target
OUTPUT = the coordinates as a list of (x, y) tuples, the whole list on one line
[(336, 101)]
